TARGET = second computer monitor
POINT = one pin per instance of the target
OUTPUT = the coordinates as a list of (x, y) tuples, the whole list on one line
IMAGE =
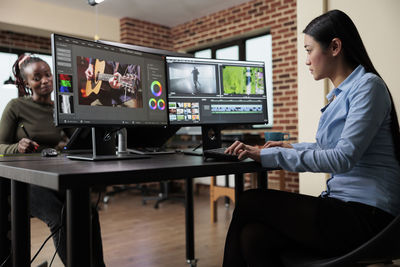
[(209, 91)]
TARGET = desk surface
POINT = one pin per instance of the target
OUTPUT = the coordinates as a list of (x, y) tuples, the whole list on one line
[(62, 173)]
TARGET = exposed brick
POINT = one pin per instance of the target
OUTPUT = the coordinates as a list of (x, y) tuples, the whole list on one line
[(277, 15), (31, 43)]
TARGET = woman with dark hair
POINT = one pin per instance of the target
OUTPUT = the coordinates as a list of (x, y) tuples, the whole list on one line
[(357, 142), (27, 126)]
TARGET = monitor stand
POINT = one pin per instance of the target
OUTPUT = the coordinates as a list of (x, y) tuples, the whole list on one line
[(211, 138), (104, 146)]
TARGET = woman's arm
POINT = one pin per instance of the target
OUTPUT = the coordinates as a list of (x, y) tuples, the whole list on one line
[(305, 146), (297, 146), (369, 106), (8, 132), (8, 129)]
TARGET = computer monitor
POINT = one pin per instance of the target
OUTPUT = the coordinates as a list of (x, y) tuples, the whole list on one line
[(148, 138), (106, 87), (209, 91), (216, 93)]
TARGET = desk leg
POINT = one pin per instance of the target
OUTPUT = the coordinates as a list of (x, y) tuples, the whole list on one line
[(262, 179), (189, 224), (239, 186), (78, 228), (20, 224), (5, 225), (227, 199)]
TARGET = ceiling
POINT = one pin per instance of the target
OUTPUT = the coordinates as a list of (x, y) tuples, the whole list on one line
[(165, 12)]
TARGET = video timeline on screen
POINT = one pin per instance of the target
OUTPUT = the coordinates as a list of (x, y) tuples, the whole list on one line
[(236, 108)]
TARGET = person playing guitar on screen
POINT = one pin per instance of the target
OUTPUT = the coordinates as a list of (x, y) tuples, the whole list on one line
[(104, 79)]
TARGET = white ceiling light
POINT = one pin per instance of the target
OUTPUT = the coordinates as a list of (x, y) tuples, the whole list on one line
[(94, 2)]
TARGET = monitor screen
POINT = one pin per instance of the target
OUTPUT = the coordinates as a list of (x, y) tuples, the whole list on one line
[(99, 84), (210, 91)]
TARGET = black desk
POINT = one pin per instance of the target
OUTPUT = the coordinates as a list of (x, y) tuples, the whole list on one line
[(76, 177)]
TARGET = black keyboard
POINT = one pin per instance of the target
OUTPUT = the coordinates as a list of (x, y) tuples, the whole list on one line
[(150, 151), (218, 153)]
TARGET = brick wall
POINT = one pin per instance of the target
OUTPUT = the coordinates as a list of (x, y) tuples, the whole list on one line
[(26, 42), (278, 16), (133, 31)]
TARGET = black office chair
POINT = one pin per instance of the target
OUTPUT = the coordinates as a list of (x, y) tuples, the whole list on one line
[(383, 248), (116, 189), (164, 195)]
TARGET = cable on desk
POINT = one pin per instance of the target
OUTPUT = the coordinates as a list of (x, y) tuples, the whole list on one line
[(198, 146), (5, 261), (107, 135)]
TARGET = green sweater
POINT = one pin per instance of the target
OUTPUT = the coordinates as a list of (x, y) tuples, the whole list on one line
[(37, 119)]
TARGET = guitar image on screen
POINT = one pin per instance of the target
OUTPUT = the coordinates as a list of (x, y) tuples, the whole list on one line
[(94, 85)]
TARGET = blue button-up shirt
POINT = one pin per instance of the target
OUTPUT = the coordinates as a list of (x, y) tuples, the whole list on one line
[(353, 142)]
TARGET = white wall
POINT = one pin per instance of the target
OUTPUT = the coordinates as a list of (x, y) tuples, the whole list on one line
[(378, 23), (310, 95), (41, 18)]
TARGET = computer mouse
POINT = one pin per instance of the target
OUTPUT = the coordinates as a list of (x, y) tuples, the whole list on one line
[(49, 152)]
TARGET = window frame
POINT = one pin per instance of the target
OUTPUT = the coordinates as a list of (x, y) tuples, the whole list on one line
[(240, 42)]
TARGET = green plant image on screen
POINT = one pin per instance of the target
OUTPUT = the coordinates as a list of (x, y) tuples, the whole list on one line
[(238, 80)]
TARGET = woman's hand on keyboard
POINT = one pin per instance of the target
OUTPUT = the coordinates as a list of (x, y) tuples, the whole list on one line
[(244, 151)]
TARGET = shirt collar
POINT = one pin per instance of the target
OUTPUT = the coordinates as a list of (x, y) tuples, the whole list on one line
[(347, 83)]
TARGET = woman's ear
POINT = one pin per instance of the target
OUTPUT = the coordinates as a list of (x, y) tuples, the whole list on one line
[(335, 46), (26, 85)]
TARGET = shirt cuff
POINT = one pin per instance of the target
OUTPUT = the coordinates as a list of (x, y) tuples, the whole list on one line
[(268, 157)]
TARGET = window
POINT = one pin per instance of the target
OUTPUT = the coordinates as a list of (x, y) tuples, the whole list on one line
[(255, 48), (230, 52), (9, 91), (203, 53)]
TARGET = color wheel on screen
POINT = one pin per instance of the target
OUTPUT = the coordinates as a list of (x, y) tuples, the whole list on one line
[(153, 103), (161, 104), (156, 88)]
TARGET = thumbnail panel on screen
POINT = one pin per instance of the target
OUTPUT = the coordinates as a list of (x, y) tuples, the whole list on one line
[(192, 79), (109, 83), (241, 80), (184, 111)]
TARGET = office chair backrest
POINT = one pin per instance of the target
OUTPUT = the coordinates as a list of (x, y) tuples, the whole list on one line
[(382, 248)]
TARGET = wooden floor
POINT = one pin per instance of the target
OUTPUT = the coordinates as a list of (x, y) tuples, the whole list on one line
[(139, 235)]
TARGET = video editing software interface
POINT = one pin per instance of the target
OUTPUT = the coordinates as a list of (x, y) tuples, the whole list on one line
[(210, 91), (101, 84)]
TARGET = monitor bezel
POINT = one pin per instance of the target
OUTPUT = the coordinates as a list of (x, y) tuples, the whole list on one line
[(57, 121)]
